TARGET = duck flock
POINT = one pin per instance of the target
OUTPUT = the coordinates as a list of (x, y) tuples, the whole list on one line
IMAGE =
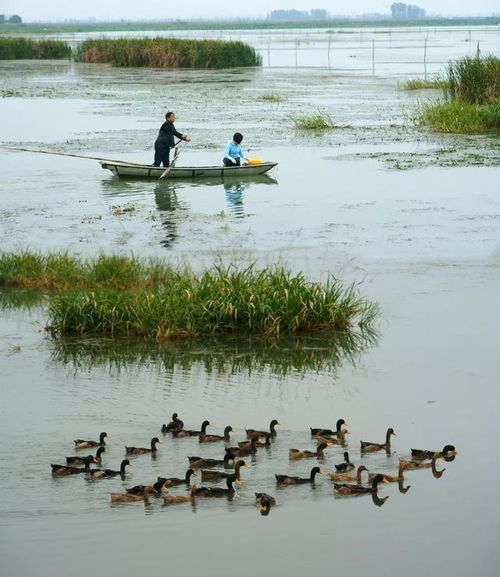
[(348, 478)]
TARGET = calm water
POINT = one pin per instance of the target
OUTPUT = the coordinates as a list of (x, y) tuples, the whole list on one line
[(424, 243)]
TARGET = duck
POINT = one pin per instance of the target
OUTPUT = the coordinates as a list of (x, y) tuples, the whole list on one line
[(248, 443), (73, 461), (131, 497), (176, 499), (175, 425), (369, 447), (423, 454), (198, 462), (390, 478), (346, 489), (242, 451), (288, 480), (337, 431), (157, 487), (264, 502), (82, 444), (219, 491), (214, 438), (272, 429), (65, 470), (174, 481), (346, 465), (143, 450), (180, 433), (101, 473), (207, 475), (296, 454), (340, 440), (346, 477)]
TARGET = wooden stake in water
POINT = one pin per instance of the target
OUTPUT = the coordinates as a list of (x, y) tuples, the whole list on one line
[(425, 58), (329, 42), (373, 56)]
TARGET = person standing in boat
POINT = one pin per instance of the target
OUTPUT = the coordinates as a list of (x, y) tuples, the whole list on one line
[(165, 140), (234, 153)]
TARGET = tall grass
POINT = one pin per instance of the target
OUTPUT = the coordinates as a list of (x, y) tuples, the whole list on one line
[(423, 84), (318, 121), (28, 49), (472, 98), (168, 53)]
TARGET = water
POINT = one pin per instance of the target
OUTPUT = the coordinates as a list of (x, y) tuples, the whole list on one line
[(422, 242)]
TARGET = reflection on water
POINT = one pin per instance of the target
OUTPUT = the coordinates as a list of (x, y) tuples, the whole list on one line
[(218, 356), (235, 196)]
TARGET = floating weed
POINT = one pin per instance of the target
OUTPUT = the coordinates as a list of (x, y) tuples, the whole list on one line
[(271, 97), (318, 121)]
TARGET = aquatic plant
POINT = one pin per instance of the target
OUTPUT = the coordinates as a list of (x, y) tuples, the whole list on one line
[(168, 53), (318, 121), (271, 97), (29, 49), (474, 80), (424, 84), (460, 117)]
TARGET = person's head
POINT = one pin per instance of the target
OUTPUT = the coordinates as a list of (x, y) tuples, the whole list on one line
[(238, 137), (170, 116)]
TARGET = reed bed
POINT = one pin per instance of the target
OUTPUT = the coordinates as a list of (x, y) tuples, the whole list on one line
[(423, 84), (28, 49), (472, 98), (168, 53)]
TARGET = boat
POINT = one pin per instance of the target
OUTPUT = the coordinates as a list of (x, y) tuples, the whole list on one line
[(135, 170)]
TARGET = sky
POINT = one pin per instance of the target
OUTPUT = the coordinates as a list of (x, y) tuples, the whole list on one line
[(59, 10)]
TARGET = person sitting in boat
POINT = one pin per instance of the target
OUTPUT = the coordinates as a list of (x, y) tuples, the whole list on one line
[(165, 140), (234, 153)]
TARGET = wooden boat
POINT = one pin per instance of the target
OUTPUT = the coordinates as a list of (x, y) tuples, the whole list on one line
[(132, 170)]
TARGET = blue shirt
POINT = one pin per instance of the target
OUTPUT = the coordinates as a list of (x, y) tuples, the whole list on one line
[(234, 151)]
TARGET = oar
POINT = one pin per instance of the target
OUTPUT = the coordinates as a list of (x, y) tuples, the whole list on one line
[(172, 164)]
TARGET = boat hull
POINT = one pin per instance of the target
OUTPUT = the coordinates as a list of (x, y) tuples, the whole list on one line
[(129, 170)]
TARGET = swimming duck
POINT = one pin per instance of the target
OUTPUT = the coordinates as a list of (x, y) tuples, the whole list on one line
[(143, 450), (218, 491), (65, 470), (174, 481), (272, 429), (389, 478), (82, 444), (175, 499), (101, 473), (340, 440), (242, 451), (346, 489), (180, 433), (369, 447), (423, 454), (346, 465), (296, 454), (288, 480), (264, 502), (214, 438), (337, 431), (130, 497), (258, 443), (346, 477), (175, 425), (73, 461), (157, 487), (198, 462), (207, 475)]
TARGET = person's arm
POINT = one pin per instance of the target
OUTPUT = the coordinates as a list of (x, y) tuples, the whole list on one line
[(179, 135)]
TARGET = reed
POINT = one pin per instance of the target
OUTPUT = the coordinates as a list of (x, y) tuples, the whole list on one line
[(461, 117), (318, 121), (28, 49), (271, 97), (474, 80), (422, 84), (168, 53)]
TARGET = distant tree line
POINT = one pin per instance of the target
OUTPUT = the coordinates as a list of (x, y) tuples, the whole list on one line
[(287, 15), (400, 11), (14, 19)]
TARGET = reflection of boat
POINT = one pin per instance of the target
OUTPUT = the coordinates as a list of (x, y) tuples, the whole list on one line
[(131, 170)]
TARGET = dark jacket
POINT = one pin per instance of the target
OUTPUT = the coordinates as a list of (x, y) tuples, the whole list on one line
[(167, 133)]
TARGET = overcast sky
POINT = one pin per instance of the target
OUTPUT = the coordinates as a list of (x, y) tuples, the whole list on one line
[(36, 10)]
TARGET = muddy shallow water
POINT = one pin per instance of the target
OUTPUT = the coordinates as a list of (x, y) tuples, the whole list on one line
[(424, 243)]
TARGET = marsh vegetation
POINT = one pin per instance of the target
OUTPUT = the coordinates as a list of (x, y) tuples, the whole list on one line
[(29, 49)]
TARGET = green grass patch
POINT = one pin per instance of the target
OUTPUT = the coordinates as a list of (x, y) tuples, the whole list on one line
[(461, 117), (423, 84), (28, 49), (168, 53), (474, 80), (318, 121), (128, 297), (271, 97)]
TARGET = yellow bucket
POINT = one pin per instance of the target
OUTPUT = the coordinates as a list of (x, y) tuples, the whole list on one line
[(254, 161)]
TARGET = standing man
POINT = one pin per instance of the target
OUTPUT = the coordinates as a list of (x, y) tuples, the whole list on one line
[(165, 140)]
